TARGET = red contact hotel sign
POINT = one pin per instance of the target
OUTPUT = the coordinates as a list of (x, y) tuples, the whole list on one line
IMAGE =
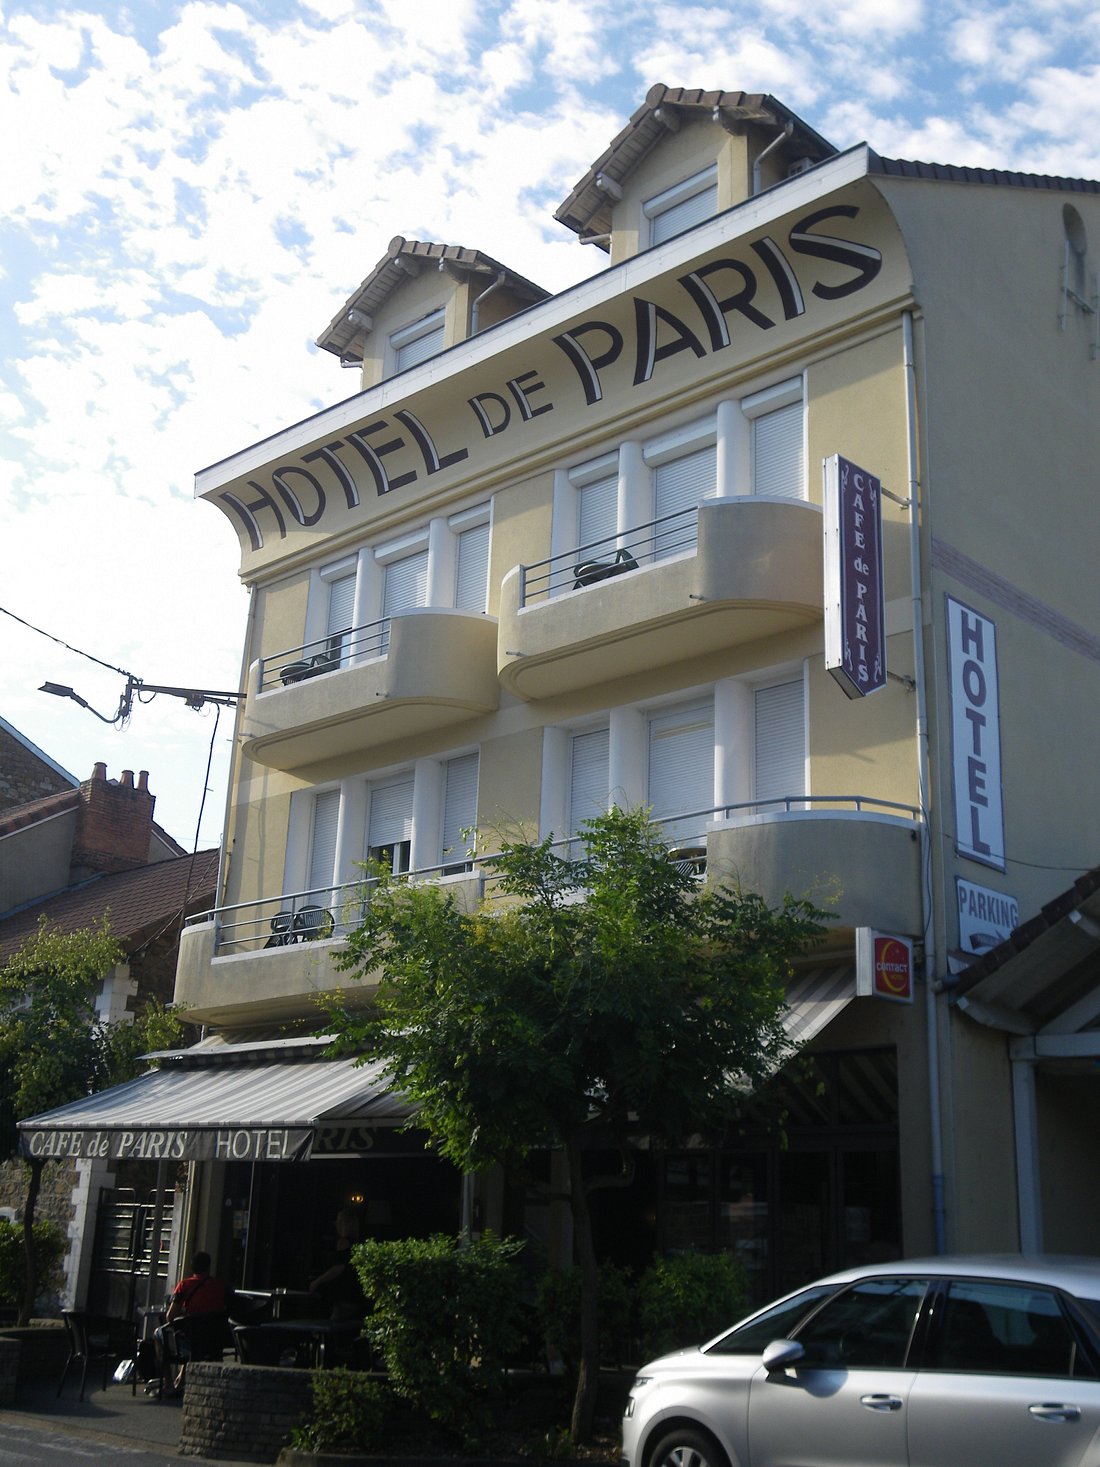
[(884, 965), (855, 614)]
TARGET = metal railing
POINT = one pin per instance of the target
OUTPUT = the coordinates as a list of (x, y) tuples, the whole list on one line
[(325, 654), (331, 912), (599, 560)]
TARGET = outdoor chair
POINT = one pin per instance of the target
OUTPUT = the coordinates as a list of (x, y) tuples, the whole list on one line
[(94, 1337), (313, 922), (281, 930)]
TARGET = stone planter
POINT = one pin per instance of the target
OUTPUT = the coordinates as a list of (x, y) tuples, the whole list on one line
[(241, 1413), (43, 1350)]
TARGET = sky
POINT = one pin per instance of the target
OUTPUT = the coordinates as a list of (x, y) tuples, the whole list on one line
[(190, 191)]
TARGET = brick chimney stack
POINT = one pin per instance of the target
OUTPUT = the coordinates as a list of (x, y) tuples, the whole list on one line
[(113, 824)]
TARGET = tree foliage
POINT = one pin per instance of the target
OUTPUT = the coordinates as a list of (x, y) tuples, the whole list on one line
[(588, 1000), (54, 1048)]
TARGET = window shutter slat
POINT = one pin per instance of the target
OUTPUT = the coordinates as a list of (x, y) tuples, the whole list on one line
[(472, 574), (683, 215), (341, 613), (588, 777), (406, 583), (390, 814), (420, 348), (322, 840), (459, 804), (777, 453), (681, 766), (780, 754), (679, 485), (597, 515)]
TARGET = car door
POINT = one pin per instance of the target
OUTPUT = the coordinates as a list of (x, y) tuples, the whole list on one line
[(1004, 1380), (844, 1404)]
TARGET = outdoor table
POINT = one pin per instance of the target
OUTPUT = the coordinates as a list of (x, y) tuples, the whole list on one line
[(317, 1333), (293, 1303)]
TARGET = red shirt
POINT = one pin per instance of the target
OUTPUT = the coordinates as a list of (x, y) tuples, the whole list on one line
[(200, 1293)]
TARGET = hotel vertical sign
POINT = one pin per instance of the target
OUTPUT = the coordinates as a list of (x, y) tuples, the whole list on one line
[(855, 611), (975, 735)]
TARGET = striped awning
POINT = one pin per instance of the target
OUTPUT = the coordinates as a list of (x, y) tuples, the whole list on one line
[(815, 997), (220, 1109)]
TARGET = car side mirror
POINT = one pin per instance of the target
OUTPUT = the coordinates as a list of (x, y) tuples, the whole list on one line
[(781, 1353)]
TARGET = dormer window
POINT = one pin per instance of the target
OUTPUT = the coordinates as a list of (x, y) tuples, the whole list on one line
[(687, 203), (418, 342)]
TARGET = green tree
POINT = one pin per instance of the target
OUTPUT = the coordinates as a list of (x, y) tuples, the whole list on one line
[(589, 1001), (53, 1046)]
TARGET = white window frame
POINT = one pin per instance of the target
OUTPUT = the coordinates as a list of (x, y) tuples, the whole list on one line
[(669, 448), (459, 524), (757, 405), (670, 199), (728, 426), (402, 849), (399, 341), (733, 700)]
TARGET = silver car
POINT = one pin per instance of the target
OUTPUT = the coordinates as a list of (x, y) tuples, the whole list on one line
[(930, 1362)]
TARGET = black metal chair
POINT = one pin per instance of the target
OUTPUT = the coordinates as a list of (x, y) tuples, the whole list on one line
[(311, 923), (282, 930), (94, 1337), (588, 572)]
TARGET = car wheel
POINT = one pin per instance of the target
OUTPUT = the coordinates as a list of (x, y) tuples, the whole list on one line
[(687, 1447)]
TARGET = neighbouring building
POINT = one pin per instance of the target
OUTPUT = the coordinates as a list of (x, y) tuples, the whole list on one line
[(72, 856), (777, 525)]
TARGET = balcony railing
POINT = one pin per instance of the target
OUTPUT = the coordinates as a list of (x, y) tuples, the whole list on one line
[(599, 560), (325, 654), (334, 911)]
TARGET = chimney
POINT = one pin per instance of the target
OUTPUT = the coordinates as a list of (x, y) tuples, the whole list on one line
[(113, 824)]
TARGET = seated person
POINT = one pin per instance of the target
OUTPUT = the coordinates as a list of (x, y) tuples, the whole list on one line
[(196, 1323)]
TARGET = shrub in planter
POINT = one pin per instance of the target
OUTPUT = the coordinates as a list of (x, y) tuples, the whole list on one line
[(348, 1413), (49, 1246), (688, 1298), (445, 1315), (558, 1304)]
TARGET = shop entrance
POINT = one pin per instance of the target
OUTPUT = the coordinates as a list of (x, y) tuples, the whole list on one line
[(810, 1185)]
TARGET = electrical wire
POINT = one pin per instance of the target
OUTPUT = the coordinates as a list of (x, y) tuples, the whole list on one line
[(68, 645)]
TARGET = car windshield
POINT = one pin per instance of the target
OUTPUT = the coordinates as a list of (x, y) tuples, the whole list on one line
[(776, 1323)]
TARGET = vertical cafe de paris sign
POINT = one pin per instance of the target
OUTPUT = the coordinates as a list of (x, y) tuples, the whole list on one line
[(855, 613)]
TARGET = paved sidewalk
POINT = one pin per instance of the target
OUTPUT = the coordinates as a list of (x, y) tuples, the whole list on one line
[(110, 1417)]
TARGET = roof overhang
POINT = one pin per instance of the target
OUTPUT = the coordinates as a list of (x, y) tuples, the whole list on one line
[(587, 210), (1042, 985)]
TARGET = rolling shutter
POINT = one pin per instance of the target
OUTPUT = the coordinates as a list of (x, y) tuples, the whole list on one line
[(459, 807), (597, 516), (588, 777), (322, 843), (777, 453), (681, 766), (681, 216), (678, 485), (780, 748), (406, 583), (389, 831), (341, 612), (472, 573)]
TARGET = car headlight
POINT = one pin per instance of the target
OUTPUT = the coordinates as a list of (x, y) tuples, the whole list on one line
[(639, 1382)]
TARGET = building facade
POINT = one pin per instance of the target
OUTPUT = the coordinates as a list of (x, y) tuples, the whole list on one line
[(571, 550), (72, 855)]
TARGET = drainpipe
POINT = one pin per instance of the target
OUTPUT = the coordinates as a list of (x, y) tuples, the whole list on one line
[(758, 160), (502, 275), (928, 928)]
